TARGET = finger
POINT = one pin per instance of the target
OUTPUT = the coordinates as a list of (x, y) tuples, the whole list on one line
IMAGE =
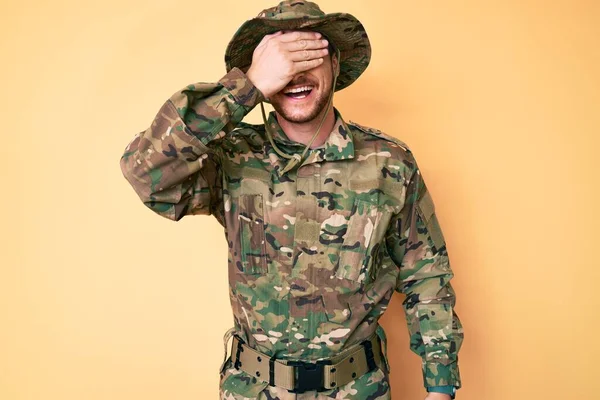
[(304, 44), (305, 65), (275, 33), (307, 54), (265, 39), (299, 35)]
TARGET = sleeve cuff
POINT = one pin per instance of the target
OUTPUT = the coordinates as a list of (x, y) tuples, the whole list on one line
[(437, 374), (241, 88)]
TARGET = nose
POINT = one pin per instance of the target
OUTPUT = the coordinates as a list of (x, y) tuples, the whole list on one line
[(298, 76)]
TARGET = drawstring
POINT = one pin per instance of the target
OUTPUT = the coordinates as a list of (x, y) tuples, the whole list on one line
[(295, 159)]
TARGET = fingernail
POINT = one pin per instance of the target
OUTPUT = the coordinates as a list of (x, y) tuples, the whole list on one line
[(325, 42)]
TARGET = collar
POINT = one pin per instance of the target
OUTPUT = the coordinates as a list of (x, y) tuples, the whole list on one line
[(337, 146)]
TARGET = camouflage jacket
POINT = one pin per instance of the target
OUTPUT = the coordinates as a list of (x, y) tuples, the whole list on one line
[(316, 254)]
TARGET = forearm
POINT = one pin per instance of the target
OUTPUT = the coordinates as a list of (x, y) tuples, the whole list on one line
[(436, 332), (174, 165)]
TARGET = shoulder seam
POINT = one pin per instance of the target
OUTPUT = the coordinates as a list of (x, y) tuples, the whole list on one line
[(382, 135)]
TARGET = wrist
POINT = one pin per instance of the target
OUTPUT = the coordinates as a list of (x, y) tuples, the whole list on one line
[(243, 90), (438, 396), (257, 83), (448, 390)]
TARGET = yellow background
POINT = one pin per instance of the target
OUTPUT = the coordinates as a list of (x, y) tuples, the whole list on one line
[(499, 101)]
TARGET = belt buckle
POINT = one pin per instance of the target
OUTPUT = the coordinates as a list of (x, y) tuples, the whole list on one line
[(308, 376)]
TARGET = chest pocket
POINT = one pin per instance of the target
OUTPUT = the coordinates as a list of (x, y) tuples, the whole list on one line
[(253, 253), (364, 226)]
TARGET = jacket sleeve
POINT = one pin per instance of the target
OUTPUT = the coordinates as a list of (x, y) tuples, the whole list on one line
[(416, 244), (174, 166)]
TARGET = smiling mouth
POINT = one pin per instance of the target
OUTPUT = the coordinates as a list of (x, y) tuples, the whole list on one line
[(299, 92)]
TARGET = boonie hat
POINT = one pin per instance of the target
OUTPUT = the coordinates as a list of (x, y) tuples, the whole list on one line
[(342, 29)]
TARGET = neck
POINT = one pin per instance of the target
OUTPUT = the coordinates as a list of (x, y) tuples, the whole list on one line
[(302, 132)]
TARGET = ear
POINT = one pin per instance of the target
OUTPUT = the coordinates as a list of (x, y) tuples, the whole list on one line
[(335, 59)]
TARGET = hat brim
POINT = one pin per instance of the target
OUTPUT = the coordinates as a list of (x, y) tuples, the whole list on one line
[(343, 30)]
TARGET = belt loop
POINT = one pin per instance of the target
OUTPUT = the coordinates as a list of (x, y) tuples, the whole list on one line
[(228, 335), (272, 370), (369, 354), (239, 350), (383, 343)]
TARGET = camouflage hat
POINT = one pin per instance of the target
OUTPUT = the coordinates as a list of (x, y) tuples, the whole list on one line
[(341, 29)]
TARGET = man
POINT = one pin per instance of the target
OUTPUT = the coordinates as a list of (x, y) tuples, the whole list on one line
[(324, 219)]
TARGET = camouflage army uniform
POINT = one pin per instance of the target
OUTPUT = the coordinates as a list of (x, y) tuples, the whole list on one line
[(315, 254)]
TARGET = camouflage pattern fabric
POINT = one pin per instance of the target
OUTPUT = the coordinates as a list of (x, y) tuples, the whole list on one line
[(316, 254), (343, 29)]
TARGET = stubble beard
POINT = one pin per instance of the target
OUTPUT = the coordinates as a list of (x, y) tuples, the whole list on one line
[(300, 117)]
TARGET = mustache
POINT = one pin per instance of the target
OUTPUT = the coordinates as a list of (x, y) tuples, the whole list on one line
[(301, 81)]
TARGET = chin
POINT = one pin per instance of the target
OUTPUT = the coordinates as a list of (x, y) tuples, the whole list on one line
[(299, 113)]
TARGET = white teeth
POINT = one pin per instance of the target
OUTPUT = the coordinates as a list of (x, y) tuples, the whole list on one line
[(298, 90)]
